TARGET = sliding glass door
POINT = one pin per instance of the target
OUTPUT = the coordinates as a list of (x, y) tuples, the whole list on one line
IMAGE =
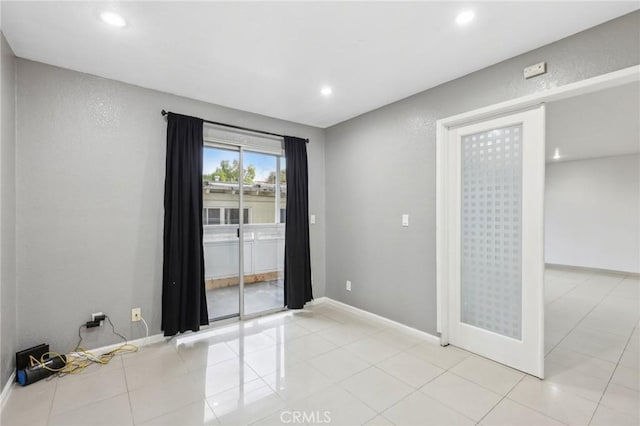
[(263, 234), (244, 211), (221, 230)]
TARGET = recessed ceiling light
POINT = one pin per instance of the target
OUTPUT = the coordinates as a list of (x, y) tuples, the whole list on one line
[(556, 154), (465, 17), (113, 19), (326, 91)]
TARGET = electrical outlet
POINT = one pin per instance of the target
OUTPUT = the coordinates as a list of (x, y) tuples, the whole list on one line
[(136, 314), (97, 314), (348, 285)]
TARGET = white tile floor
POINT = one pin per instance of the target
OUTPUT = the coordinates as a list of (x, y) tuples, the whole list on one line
[(325, 365), (592, 340), (258, 297)]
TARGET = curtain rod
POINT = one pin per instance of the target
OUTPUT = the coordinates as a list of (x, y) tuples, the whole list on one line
[(164, 113)]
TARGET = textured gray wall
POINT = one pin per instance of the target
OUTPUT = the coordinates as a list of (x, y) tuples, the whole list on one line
[(382, 164), (90, 181), (7, 213)]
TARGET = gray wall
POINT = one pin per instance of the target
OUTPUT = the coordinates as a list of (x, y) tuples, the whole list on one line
[(592, 213), (90, 179), (7, 213), (382, 164)]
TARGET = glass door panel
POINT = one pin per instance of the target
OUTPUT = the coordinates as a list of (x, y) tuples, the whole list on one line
[(495, 196), (491, 276), (221, 218), (263, 233)]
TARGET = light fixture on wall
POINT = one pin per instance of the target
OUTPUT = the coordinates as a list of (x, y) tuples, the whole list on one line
[(556, 154), (326, 91), (113, 19), (465, 17)]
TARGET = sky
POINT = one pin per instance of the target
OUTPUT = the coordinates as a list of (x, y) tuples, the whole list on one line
[(263, 163)]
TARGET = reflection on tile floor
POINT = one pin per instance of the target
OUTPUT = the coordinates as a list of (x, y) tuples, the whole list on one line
[(258, 297), (326, 365), (592, 370)]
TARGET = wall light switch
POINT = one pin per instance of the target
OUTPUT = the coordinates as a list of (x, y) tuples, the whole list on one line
[(405, 220), (312, 219)]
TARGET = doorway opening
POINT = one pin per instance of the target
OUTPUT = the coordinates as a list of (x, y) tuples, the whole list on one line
[(451, 304), (592, 245)]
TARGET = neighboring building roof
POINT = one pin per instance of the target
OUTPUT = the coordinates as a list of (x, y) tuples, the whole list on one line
[(252, 187)]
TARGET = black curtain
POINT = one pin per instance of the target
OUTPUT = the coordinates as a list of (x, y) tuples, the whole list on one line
[(184, 302), (297, 258)]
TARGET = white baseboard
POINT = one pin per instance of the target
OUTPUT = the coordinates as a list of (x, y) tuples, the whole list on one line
[(399, 326), (143, 341), (6, 389), (318, 300), (560, 267)]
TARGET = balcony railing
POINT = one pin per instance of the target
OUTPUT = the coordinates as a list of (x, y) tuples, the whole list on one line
[(263, 250)]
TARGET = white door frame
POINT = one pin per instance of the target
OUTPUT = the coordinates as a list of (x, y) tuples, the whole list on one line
[(443, 126)]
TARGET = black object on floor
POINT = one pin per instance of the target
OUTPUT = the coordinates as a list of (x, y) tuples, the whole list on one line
[(22, 357), (32, 374)]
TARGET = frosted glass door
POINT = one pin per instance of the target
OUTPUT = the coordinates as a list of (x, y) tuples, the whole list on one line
[(496, 185), (491, 274)]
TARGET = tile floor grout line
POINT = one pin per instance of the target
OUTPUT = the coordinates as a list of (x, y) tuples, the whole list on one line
[(563, 294), (411, 393), (86, 404), (583, 317), (269, 413), (342, 346), (171, 378), (371, 418), (53, 398), (580, 322), (380, 413), (339, 383), (397, 378), (375, 365), (501, 399), (536, 410), (434, 399), (409, 384), (483, 386), (126, 384), (383, 371), (611, 378), (175, 409)]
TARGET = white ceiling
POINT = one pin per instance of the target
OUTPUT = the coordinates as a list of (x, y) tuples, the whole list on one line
[(600, 124), (273, 58)]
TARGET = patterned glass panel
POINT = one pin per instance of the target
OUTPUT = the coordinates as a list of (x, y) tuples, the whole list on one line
[(491, 275)]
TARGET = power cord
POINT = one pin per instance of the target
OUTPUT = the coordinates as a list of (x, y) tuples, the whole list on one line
[(146, 327), (79, 358)]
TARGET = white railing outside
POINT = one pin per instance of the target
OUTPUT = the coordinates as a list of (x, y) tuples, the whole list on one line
[(263, 249)]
